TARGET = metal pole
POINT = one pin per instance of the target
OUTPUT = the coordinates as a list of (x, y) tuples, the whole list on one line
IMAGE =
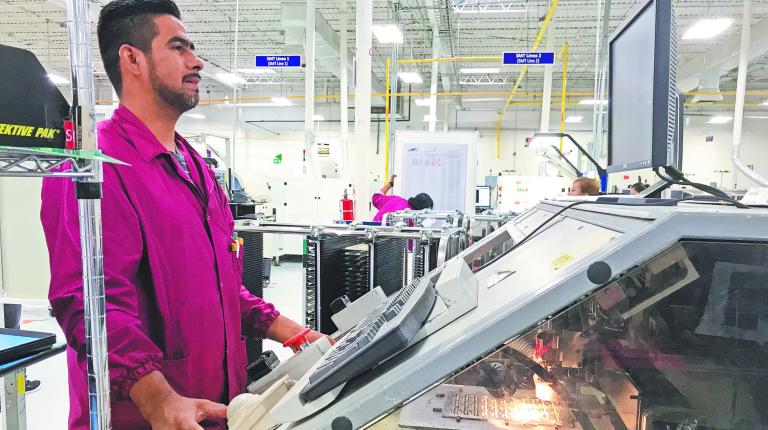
[(363, 24), (546, 100), (344, 90), (309, 83), (392, 111), (235, 103), (387, 89), (434, 78), (741, 89), (89, 207)]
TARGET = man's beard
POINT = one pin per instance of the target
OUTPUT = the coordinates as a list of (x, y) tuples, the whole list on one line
[(176, 99)]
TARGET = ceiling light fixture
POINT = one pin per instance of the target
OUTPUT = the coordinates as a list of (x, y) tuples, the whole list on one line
[(230, 78), (195, 115), (58, 80), (592, 102), (720, 119), (410, 77), (707, 28), (281, 101), (480, 70), (422, 102), (387, 33), (574, 119), (317, 117)]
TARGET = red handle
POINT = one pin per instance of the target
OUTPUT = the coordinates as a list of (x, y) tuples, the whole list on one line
[(298, 339)]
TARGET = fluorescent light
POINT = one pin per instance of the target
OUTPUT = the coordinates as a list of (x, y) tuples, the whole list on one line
[(317, 117), (230, 78), (707, 28), (195, 115), (720, 119), (765, 103), (422, 102), (387, 33), (410, 77), (574, 119), (281, 101), (480, 70), (259, 71), (58, 80), (428, 118), (592, 102), (484, 6)]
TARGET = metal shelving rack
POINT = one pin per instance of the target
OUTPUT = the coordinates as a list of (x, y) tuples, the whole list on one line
[(85, 168)]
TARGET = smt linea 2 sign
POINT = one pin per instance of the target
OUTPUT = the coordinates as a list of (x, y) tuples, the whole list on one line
[(529, 58), (278, 61)]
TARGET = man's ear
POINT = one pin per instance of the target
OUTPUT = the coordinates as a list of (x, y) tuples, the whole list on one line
[(131, 59)]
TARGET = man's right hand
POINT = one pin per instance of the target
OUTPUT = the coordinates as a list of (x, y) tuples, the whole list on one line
[(167, 410)]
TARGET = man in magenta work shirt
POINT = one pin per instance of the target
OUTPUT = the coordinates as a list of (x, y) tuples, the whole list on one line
[(177, 314), (386, 204)]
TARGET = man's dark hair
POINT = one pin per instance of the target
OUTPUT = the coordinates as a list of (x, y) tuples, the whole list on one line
[(639, 187), (128, 22), (421, 201)]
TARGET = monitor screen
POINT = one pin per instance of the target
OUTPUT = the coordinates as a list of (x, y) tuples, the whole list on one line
[(632, 57), (642, 89), (483, 197)]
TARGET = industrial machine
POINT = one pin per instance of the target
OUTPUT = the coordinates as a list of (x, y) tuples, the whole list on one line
[(607, 317), (600, 316)]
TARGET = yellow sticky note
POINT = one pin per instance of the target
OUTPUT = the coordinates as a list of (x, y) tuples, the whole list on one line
[(561, 261), (20, 384)]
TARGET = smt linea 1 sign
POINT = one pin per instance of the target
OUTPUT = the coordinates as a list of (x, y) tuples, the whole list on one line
[(278, 61), (526, 58)]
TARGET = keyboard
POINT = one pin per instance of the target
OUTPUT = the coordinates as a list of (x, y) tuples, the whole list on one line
[(384, 332)]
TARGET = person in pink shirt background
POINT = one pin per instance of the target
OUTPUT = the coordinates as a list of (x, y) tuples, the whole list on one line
[(177, 314), (386, 204)]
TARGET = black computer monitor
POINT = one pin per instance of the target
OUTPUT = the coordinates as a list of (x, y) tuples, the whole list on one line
[(482, 197), (643, 97)]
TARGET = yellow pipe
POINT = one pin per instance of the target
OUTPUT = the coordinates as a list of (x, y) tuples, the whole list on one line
[(448, 60), (386, 122), (523, 71), (563, 92)]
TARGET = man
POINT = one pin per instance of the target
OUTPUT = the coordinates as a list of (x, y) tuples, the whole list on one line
[(585, 187), (176, 311), (386, 204)]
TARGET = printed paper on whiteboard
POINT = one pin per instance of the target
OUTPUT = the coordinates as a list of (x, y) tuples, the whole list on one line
[(439, 170)]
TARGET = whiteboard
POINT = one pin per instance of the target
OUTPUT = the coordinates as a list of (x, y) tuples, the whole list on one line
[(438, 170), (442, 164)]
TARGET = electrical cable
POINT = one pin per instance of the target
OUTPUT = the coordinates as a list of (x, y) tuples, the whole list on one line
[(672, 176)]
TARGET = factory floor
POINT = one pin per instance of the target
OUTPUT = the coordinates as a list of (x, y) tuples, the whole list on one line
[(48, 406)]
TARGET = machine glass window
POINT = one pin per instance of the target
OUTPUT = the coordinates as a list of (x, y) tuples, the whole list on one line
[(680, 342)]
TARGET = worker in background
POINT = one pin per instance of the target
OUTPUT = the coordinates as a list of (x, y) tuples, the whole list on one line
[(637, 188), (585, 187), (386, 204), (176, 311)]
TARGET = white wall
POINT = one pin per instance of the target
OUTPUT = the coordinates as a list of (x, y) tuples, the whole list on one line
[(25, 272)]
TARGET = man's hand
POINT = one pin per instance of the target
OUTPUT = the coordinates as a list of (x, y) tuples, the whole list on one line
[(283, 329), (312, 336), (167, 410), (392, 180)]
